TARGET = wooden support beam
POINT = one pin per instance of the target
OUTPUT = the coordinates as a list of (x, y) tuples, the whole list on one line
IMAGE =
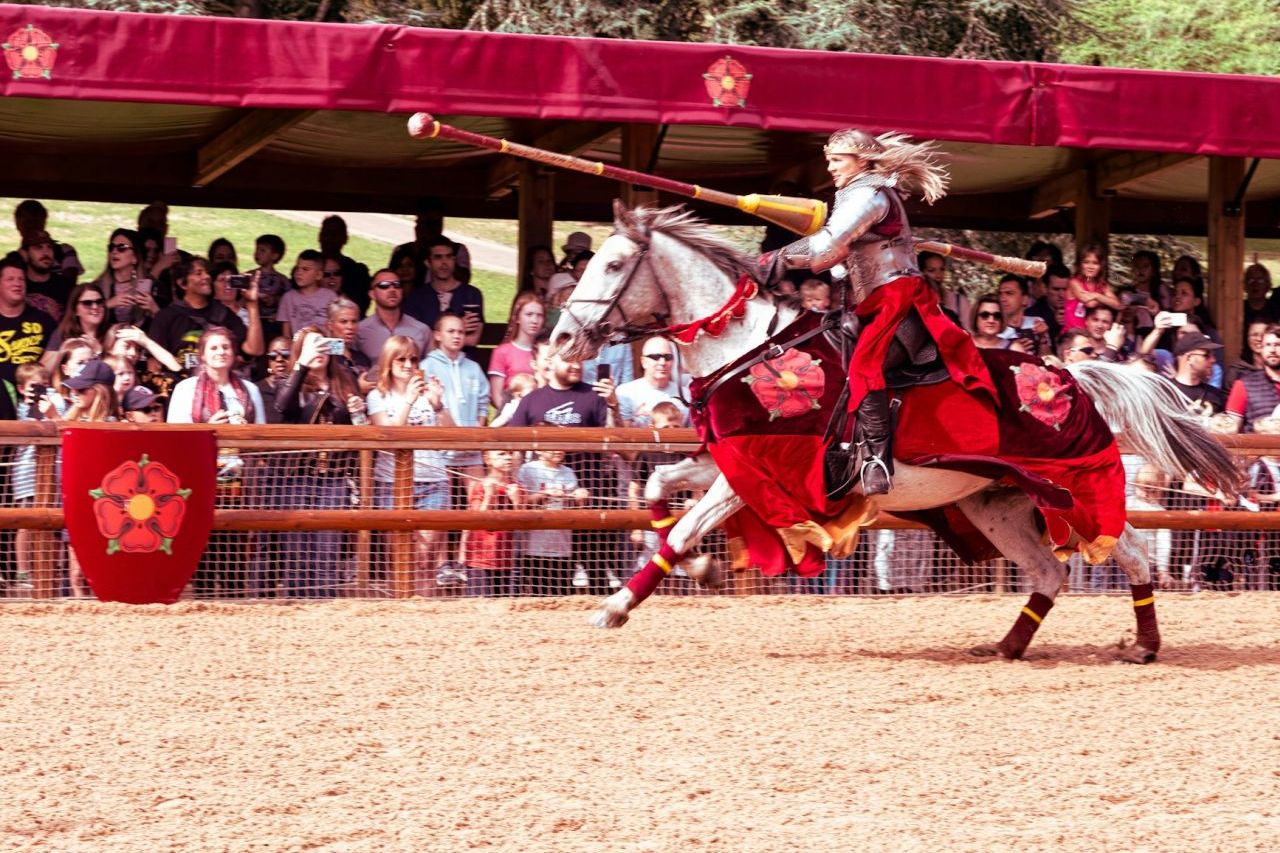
[(1109, 174), (537, 211), (569, 137), (638, 141), (1225, 289), (241, 141), (1093, 213)]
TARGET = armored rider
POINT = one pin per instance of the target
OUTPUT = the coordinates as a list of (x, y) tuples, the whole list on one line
[(867, 240)]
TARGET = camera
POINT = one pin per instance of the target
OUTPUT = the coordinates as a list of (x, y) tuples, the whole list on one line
[(333, 346), (239, 282)]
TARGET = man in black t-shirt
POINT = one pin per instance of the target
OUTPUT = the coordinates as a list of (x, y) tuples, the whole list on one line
[(569, 402), (180, 324), (1195, 354), (47, 289), (24, 331)]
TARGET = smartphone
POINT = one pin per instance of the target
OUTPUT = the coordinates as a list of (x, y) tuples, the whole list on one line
[(604, 371), (333, 346), (38, 390), (239, 282), (1177, 318), (170, 245), (142, 286), (190, 360)]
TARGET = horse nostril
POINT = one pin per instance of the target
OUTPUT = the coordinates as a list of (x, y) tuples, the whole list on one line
[(561, 339)]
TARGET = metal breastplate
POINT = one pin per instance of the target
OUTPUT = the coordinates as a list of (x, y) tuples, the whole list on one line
[(875, 258)]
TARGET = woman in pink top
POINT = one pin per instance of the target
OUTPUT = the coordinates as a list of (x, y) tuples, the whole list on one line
[(515, 353), (1088, 286)]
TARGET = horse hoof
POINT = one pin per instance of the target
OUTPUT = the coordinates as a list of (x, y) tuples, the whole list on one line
[(1136, 654), (986, 650), (705, 569), (615, 612)]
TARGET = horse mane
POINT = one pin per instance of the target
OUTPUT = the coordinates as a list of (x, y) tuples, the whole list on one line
[(679, 223)]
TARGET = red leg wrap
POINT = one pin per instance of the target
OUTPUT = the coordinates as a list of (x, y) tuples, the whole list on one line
[(645, 581), (1019, 637), (661, 519), (1144, 608)]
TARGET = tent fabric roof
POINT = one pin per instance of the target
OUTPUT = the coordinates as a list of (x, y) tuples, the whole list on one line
[(229, 62), (305, 115)]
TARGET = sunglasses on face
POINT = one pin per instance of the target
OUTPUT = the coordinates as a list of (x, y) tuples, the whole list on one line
[(154, 409), (1085, 350), (389, 285), (406, 359), (332, 273), (119, 247), (659, 356), (990, 315), (278, 356), (92, 303)]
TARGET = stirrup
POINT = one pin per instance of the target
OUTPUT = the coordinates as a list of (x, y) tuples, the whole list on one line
[(876, 477)]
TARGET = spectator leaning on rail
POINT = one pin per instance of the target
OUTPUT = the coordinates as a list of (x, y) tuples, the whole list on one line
[(404, 396), (179, 325), (318, 390)]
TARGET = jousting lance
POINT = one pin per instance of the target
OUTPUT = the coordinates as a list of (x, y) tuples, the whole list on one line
[(799, 215)]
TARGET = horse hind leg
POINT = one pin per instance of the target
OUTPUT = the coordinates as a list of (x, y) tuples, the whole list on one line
[(1007, 518), (1131, 555)]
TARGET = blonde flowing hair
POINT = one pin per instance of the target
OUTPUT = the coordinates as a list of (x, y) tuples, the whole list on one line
[(894, 155)]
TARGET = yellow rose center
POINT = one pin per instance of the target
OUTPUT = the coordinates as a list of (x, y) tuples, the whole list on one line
[(30, 53), (1045, 392), (727, 83), (788, 380), (141, 507)]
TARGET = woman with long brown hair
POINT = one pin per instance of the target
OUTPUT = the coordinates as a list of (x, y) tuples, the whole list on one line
[(85, 317), (515, 354)]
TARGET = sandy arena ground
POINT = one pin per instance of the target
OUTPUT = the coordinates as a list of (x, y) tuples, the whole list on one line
[(756, 724)]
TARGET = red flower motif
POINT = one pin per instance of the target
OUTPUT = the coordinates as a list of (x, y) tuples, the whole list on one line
[(1042, 393), (30, 53), (788, 385), (139, 507), (727, 82)]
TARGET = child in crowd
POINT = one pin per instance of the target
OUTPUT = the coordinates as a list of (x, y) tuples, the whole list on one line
[(1150, 487), (489, 555), (546, 555), (126, 374), (1088, 287), (815, 295), (665, 415), (36, 401), (517, 387)]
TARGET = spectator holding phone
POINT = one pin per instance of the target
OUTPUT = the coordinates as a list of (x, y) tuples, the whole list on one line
[(179, 326), (122, 284), (446, 294), (342, 323), (228, 286), (1022, 332)]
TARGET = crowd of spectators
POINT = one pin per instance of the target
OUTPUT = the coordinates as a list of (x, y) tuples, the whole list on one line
[(164, 335)]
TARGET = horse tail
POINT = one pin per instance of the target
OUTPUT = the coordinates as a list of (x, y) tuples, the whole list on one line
[(1151, 413)]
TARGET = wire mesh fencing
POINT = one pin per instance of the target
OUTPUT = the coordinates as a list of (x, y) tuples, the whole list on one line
[(328, 512)]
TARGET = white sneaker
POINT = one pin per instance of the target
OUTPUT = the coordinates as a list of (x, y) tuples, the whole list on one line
[(615, 582), (449, 576), (580, 578)]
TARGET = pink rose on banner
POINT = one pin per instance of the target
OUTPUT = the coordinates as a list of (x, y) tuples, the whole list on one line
[(139, 507), (1042, 394), (789, 385)]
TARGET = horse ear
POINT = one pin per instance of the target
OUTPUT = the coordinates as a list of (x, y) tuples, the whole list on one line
[(622, 218)]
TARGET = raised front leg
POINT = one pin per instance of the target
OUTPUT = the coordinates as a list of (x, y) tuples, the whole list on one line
[(716, 505), (1007, 519), (696, 472)]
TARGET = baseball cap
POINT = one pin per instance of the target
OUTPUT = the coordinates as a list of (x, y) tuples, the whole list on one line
[(138, 398), (93, 373), (1192, 342), (576, 243), (37, 239)]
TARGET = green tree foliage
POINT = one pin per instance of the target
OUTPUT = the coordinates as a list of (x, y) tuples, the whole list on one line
[(1226, 36)]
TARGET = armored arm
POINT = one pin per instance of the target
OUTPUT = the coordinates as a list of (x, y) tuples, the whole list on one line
[(856, 210)]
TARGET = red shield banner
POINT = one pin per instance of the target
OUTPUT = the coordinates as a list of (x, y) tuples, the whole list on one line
[(139, 508)]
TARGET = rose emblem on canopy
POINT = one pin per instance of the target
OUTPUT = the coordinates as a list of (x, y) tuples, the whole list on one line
[(30, 52), (728, 82), (789, 385), (1042, 394), (139, 507)]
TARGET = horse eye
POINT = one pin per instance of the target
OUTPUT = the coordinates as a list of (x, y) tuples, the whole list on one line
[(614, 266)]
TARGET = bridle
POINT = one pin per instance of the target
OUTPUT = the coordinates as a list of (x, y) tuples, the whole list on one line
[(626, 330)]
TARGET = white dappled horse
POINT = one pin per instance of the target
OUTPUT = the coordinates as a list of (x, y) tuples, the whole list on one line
[(665, 267)]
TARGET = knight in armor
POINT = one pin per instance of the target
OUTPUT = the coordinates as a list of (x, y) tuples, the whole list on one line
[(866, 244)]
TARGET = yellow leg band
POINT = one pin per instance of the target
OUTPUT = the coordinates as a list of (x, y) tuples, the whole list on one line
[(662, 563), (1032, 614), (663, 522), (1144, 602)]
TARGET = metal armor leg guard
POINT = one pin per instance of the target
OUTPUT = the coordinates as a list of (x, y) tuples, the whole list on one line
[(875, 436)]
